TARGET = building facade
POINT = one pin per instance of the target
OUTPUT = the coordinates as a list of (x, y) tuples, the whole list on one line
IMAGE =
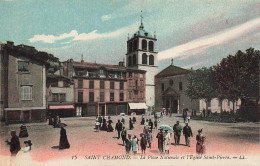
[(218, 106), (141, 54), (60, 92), (170, 85), (23, 84), (102, 89)]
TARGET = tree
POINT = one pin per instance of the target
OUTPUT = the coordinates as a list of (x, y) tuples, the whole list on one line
[(201, 85), (237, 77)]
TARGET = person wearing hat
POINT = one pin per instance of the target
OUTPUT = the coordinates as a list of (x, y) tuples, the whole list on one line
[(143, 143), (151, 124), (25, 157), (128, 144), (187, 132), (123, 135), (149, 138), (166, 141), (14, 144), (109, 126), (200, 146), (177, 132), (160, 140)]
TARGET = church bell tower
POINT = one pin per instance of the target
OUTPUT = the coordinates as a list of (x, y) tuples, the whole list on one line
[(141, 54)]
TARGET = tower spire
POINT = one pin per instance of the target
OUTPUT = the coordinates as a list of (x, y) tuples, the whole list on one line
[(141, 26)]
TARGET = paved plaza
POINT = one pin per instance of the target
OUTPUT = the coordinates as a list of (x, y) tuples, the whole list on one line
[(221, 138)]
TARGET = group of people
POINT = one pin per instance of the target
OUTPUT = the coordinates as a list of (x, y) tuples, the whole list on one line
[(54, 120)]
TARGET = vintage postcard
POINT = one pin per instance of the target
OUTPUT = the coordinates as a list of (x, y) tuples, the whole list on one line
[(140, 82)]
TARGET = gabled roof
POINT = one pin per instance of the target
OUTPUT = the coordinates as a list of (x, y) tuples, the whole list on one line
[(97, 66), (170, 92), (172, 71)]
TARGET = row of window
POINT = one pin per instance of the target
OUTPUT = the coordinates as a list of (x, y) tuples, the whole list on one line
[(130, 94), (102, 96), (100, 73), (171, 83), (132, 61), (130, 83), (101, 85), (133, 45)]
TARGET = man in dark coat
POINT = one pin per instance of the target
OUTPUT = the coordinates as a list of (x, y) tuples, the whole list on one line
[(187, 132), (64, 143), (118, 128), (14, 144), (131, 126), (143, 143), (128, 144), (123, 135), (104, 124), (177, 132), (109, 126), (160, 140)]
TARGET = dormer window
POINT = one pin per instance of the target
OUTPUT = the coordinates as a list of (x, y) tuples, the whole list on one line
[(146, 34)]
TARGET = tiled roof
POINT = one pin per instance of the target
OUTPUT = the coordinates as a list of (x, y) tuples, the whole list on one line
[(172, 71)]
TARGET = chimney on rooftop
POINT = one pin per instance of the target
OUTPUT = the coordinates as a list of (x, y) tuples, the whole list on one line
[(82, 60), (10, 43)]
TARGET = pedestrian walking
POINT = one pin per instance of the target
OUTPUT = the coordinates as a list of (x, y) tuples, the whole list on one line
[(64, 143), (128, 144), (177, 132), (142, 121), (187, 132), (151, 124), (155, 123), (109, 126), (131, 126), (200, 146), (150, 138), (23, 131), (166, 141), (123, 120), (143, 143), (160, 140), (104, 124), (123, 135), (146, 122), (97, 125), (50, 119), (119, 127), (135, 144), (14, 144)]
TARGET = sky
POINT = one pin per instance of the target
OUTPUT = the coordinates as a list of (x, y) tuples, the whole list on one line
[(194, 33)]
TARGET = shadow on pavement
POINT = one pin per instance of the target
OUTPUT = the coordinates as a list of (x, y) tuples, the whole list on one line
[(55, 147), (247, 128), (254, 138)]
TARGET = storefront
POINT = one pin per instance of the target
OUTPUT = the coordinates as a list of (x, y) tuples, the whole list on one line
[(138, 108), (62, 110)]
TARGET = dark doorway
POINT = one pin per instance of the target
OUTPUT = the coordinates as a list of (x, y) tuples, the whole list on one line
[(167, 104), (103, 110), (26, 116), (175, 106)]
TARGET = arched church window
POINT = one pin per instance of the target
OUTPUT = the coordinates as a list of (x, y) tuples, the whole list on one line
[(134, 60), (144, 59), (135, 45), (129, 61), (151, 47), (151, 60), (144, 44), (130, 47)]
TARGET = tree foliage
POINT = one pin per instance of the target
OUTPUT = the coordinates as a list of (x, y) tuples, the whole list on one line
[(237, 77), (201, 84)]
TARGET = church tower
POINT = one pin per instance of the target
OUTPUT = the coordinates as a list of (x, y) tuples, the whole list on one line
[(141, 54)]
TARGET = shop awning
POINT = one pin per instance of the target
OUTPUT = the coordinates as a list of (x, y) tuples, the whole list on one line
[(134, 106), (56, 107)]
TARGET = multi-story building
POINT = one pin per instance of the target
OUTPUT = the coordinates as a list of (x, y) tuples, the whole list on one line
[(60, 92), (170, 85), (23, 84), (141, 54), (102, 89)]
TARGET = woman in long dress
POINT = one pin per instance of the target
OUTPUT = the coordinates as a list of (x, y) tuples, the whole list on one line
[(24, 156), (166, 141), (135, 144), (200, 146), (23, 131), (64, 143), (131, 126)]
